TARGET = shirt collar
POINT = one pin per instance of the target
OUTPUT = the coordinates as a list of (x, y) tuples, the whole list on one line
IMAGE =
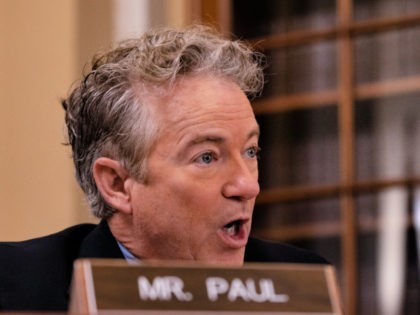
[(129, 257)]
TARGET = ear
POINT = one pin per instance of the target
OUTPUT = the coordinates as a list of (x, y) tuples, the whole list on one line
[(111, 177)]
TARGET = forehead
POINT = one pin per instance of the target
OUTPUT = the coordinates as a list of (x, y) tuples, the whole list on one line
[(202, 100)]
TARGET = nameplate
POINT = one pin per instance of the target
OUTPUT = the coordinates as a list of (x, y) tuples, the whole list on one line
[(116, 287)]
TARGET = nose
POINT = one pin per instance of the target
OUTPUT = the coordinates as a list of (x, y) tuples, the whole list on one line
[(241, 180)]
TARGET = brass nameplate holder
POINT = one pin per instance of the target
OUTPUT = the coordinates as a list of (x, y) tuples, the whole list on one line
[(116, 287)]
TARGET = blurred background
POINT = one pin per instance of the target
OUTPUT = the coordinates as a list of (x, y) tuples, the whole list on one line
[(340, 120)]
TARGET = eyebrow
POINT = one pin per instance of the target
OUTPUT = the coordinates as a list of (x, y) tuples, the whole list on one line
[(206, 138), (217, 139), (254, 133)]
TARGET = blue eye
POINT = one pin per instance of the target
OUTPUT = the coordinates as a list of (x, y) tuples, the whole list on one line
[(253, 152), (206, 158)]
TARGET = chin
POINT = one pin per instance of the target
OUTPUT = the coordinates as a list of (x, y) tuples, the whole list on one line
[(227, 259)]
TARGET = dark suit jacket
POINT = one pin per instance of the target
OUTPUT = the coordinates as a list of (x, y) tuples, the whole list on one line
[(36, 274)]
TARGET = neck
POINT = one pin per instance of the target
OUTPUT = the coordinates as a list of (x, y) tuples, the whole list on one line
[(122, 229)]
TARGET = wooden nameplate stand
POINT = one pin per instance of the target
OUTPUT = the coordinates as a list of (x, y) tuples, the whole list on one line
[(116, 287)]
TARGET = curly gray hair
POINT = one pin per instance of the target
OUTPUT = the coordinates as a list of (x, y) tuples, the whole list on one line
[(104, 112)]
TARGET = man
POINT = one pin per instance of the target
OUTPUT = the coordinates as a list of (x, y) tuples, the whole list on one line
[(165, 147)]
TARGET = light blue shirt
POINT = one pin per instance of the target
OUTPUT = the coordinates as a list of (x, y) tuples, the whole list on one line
[(127, 254)]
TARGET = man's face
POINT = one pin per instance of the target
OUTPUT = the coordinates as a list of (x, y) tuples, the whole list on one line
[(198, 199)]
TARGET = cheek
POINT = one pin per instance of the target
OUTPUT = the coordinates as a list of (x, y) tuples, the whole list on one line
[(198, 197), (164, 204), (191, 205), (187, 189), (178, 201)]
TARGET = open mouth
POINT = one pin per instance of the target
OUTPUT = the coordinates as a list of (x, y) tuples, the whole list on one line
[(235, 233), (233, 228)]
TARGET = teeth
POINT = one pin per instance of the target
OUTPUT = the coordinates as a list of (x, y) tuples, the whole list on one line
[(232, 228)]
